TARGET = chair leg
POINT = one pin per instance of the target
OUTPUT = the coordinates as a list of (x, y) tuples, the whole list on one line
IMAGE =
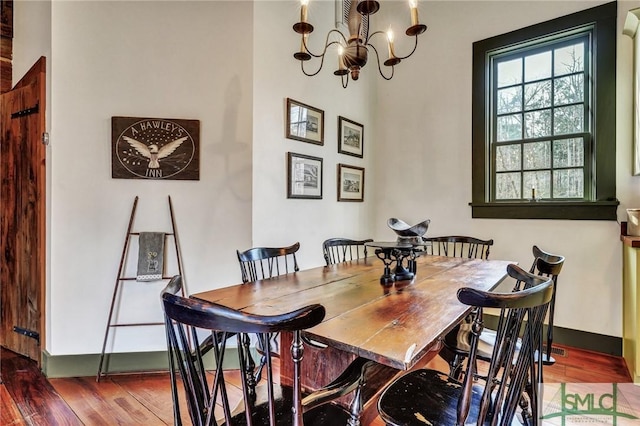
[(250, 365), (455, 362), (455, 367), (356, 405), (525, 414), (548, 359)]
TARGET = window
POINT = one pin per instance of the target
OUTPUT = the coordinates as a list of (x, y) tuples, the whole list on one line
[(544, 120)]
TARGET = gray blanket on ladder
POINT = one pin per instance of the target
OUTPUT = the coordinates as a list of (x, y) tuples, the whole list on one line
[(150, 256)]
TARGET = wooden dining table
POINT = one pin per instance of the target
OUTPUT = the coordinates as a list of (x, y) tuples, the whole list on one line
[(398, 326)]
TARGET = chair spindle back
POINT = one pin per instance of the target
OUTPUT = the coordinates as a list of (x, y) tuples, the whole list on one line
[(338, 250), (459, 246)]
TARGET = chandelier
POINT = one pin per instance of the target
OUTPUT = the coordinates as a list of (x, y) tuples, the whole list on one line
[(353, 52)]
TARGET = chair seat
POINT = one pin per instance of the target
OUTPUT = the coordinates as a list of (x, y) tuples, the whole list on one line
[(327, 414), (426, 397)]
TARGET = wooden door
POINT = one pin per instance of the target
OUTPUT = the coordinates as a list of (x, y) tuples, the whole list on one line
[(22, 214)]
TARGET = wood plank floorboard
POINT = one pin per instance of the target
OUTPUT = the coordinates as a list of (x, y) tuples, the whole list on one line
[(33, 395), (28, 398), (9, 412), (105, 403)]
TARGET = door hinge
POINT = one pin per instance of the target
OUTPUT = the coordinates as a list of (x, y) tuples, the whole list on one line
[(45, 138), (28, 111), (26, 332)]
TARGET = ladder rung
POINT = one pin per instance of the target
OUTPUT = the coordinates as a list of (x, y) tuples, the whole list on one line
[(165, 234)]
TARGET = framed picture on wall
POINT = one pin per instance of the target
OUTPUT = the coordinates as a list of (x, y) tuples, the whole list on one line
[(305, 123), (304, 176), (350, 137), (350, 183)]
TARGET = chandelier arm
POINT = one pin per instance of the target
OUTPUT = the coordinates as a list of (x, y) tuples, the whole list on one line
[(379, 67), (345, 80), (313, 73), (376, 33), (415, 46), (317, 56), (326, 43)]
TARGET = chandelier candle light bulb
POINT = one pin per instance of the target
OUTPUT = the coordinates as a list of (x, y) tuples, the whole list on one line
[(303, 10), (390, 38), (413, 5)]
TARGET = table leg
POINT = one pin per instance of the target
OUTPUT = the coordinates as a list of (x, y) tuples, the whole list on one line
[(322, 366)]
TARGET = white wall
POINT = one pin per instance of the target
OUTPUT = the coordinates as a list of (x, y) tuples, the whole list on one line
[(278, 221), (430, 140), (143, 59)]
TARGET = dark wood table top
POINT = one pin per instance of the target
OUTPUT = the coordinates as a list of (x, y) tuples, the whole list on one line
[(395, 325)]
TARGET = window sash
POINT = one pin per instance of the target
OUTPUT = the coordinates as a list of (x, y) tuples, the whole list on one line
[(550, 45)]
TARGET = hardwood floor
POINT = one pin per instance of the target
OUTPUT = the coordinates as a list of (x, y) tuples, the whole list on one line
[(28, 398)]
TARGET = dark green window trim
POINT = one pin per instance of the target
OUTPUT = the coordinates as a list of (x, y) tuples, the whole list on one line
[(604, 204)]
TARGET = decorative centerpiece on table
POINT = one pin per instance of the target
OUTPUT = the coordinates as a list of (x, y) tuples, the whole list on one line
[(408, 245)]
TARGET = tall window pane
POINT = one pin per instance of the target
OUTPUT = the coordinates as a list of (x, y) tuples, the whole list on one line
[(509, 127), (568, 120), (510, 100), (568, 153), (508, 158), (569, 89), (569, 59), (537, 155), (510, 72), (537, 184), (508, 186), (568, 183), (537, 124), (537, 67), (537, 95)]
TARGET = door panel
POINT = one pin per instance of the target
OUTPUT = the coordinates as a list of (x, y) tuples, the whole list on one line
[(22, 215)]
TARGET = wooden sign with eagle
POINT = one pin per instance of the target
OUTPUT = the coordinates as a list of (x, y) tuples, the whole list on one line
[(155, 148)]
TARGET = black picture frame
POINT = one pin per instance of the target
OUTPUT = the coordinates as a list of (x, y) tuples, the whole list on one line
[(304, 123), (304, 176), (350, 183), (350, 137)]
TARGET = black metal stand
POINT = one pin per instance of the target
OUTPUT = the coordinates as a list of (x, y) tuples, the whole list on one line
[(394, 253)]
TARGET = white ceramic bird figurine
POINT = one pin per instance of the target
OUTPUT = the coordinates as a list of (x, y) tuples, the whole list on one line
[(152, 152)]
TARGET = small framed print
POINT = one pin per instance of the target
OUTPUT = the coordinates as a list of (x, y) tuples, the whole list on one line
[(350, 137), (350, 183), (304, 176), (305, 123)]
